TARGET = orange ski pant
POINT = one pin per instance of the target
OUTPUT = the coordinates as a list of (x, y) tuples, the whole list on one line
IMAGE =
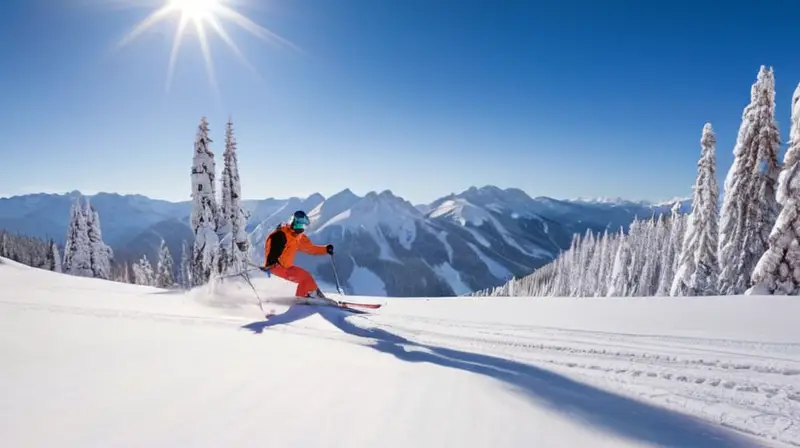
[(305, 282)]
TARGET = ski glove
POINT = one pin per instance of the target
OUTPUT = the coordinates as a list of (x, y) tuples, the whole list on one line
[(329, 248)]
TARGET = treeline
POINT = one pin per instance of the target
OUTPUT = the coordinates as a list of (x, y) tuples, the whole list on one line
[(31, 251), (642, 263)]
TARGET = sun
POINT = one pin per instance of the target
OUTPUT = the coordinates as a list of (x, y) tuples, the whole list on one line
[(202, 15), (195, 10)]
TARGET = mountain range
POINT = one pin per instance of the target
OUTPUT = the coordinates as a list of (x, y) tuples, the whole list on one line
[(385, 245)]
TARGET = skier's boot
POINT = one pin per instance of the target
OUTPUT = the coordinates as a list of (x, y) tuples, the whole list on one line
[(315, 295)]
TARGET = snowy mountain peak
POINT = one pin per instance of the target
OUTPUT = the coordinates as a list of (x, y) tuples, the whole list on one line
[(461, 211), (315, 198), (333, 206), (381, 215)]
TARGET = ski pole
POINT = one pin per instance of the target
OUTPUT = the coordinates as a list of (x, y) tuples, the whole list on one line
[(247, 279), (336, 276)]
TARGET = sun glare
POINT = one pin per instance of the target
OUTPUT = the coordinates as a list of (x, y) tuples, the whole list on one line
[(202, 15), (195, 9)]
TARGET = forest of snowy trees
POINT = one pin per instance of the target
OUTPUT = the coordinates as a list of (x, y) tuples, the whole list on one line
[(752, 241), (32, 251), (85, 253)]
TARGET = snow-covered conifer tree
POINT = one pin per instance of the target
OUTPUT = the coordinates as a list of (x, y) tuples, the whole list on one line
[(749, 209), (53, 260), (101, 254), (77, 250), (595, 264), (619, 285), (609, 252), (232, 216), (698, 266), (645, 281), (165, 277), (778, 270), (204, 217), (671, 248), (4, 244), (143, 272)]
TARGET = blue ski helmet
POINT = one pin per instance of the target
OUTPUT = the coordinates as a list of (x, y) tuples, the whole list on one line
[(299, 221)]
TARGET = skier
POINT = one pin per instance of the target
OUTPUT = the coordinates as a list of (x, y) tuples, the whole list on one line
[(280, 248)]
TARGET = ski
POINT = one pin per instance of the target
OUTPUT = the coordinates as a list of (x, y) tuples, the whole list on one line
[(372, 306), (347, 306)]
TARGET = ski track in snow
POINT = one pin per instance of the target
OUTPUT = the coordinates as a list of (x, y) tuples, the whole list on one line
[(750, 387)]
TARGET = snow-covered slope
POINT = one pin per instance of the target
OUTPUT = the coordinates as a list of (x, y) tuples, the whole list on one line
[(88, 362)]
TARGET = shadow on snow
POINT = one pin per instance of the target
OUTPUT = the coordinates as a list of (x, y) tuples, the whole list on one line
[(605, 410)]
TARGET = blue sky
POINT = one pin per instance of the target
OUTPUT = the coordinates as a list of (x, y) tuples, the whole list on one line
[(564, 99)]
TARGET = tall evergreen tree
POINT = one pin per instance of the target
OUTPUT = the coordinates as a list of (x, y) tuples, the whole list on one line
[(53, 260), (165, 277), (232, 217), (778, 270), (645, 282), (4, 244), (619, 285), (698, 266), (100, 253), (671, 251), (77, 250), (143, 272), (749, 209), (205, 213)]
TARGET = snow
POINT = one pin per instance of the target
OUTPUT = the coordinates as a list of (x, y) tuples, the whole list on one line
[(367, 281), (332, 207), (442, 236), (478, 237), (464, 212), (494, 267), (461, 211), (378, 214), (453, 278), (383, 216), (88, 362)]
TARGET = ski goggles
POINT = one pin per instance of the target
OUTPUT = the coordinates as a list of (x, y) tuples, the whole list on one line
[(300, 223)]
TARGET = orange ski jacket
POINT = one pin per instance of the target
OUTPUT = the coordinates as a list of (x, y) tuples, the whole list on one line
[(282, 245)]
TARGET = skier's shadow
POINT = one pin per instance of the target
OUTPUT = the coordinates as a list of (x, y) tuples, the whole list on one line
[(293, 314)]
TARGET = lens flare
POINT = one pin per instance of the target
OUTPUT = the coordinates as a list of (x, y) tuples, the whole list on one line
[(202, 14)]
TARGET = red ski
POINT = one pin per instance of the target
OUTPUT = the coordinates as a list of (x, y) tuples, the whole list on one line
[(349, 306), (372, 306)]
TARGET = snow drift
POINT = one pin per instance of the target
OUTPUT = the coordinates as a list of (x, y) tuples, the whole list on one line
[(88, 362)]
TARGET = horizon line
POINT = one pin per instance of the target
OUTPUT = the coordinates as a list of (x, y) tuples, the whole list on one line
[(599, 199)]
